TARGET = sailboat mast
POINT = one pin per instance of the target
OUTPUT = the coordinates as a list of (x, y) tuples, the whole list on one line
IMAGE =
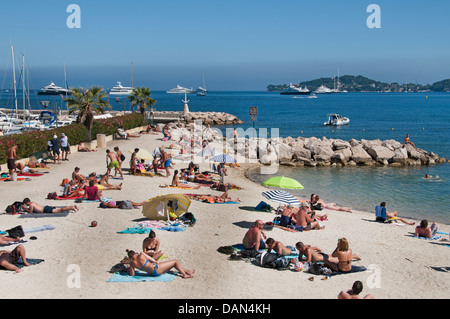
[(14, 77), (23, 86)]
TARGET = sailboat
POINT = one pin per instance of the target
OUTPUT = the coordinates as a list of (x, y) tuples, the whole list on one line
[(201, 91)]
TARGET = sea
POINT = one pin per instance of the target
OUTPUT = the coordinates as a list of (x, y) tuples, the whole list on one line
[(425, 116)]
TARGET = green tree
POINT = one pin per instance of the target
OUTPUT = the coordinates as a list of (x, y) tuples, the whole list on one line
[(87, 102), (141, 96)]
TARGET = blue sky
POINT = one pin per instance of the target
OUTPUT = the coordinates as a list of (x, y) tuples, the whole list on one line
[(237, 45)]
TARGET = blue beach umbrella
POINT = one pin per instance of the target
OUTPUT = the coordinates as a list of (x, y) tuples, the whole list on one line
[(281, 197)]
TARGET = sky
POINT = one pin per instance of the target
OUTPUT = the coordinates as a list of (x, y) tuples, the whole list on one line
[(237, 45)]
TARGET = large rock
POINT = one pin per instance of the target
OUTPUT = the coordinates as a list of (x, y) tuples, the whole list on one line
[(318, 147), (400, 156), (340, 145), (380, 153), (359, 155)]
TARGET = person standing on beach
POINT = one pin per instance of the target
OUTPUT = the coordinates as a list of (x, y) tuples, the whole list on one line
[(133, 161), (120, 158), (112, 162), (64, 147), (252, 239), (12, 155), (55, 149)]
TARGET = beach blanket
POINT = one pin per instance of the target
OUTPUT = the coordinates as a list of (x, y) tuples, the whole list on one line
[(43, 215), (145, 229), (12, 244), (140, 276), (31, 261), (29, 174), (19, 179), (38, 229), (435, 237)]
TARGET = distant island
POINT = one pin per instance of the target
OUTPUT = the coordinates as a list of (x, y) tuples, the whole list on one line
[(351, 83)]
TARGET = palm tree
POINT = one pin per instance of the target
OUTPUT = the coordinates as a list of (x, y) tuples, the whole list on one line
[(87, 102), (141, 96)]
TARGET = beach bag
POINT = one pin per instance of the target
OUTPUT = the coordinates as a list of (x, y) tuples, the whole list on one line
[(15, 207), (273, 260), (318, 206), (52, 195), (126, 204), (227, 250), (122, 157), (16, 232)]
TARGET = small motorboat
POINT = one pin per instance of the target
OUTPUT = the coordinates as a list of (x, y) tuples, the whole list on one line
[(336, 120)]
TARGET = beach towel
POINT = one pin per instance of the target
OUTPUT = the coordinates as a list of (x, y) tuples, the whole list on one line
[(435, 237), (29, 174), (140, 276), (38, 229), (43, 215), (12, 244), (7, 179), (146, 230)]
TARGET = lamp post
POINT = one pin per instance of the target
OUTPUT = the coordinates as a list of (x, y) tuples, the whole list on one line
[(118, 99)]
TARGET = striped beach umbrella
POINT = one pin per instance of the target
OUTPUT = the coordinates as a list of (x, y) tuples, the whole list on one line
[(143, 155), (222, 158), (282, 182), (159, 207), (281, 197)]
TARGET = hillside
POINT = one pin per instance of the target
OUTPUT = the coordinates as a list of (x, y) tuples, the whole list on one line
[(360, 83)]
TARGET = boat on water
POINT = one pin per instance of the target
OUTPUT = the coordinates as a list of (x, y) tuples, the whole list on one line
[(121, 90), (336, 120), (180, 90), (296, 90), (52, 89), (201, 91), (323, 90)]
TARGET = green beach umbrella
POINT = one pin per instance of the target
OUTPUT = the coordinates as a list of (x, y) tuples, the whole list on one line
[(282, 182)]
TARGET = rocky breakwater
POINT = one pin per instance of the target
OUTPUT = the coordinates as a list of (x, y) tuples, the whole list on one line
[(211, 118), (313, 151)]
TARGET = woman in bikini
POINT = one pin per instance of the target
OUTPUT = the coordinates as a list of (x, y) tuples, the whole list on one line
[(143, 262), (341, 258), (150, 246)]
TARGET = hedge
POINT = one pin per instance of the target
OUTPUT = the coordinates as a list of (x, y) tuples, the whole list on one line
[(33, 142)]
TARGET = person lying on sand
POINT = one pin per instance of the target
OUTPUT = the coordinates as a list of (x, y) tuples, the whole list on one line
[(4, 240), (8, 259), (312, 253), (277, 246), (82, 148), (224, 198), (25, 169), (154, 268), (103, 182), (315, 199), (118, 204), (176, 182), (32, 207)]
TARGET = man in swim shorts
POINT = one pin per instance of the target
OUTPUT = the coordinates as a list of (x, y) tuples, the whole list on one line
[(31, 207), (112, 162), (252, 239), (11, 161)]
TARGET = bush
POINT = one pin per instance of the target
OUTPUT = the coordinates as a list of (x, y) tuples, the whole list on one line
[(33, 142)]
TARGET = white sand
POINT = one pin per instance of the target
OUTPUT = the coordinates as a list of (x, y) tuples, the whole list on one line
[(403, 266)]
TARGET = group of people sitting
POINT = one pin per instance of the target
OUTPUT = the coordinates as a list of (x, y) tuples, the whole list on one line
[(149, 260)]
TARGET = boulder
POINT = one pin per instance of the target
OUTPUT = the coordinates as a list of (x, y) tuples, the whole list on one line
[(379, 153), (359, 155), (400, 156), (340, 145)]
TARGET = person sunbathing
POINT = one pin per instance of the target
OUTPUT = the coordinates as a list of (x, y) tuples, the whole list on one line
[(32, 207), (25, 169), (354, 292), (81, 148), (8, 259), (4, 240), (277, 247), (176, 182), (341, 258), (91, 192), (332, 206), (154, 268), (422, 230), (118, 204), (312, 253), (103, 182), (150, 246), (77, 176)]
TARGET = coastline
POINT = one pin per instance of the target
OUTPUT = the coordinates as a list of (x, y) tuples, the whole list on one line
[(402, 265)]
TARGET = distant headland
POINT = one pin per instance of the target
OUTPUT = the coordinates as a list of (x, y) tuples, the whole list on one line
[(351, 83)]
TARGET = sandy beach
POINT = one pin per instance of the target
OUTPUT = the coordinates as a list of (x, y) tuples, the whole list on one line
[(400, 266)]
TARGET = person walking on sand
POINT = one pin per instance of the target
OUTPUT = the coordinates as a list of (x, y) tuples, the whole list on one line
[(252, 239), (120, 158), (11, 161), (112, 162), (32, 207), (154, 268)]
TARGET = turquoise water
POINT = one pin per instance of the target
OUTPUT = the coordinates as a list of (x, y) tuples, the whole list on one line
[(424, 116)]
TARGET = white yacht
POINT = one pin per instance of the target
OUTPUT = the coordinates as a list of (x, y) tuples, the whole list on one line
[(201, 91), (336, 120), (296, 90), (180, 90), (52, 89), (323, 90), (120, 90)]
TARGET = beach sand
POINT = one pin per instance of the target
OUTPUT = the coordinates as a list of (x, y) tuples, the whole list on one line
[(400, 266)]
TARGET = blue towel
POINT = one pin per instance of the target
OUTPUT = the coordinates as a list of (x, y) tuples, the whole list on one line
[(435, 237), (146, 230), (140, 276)]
